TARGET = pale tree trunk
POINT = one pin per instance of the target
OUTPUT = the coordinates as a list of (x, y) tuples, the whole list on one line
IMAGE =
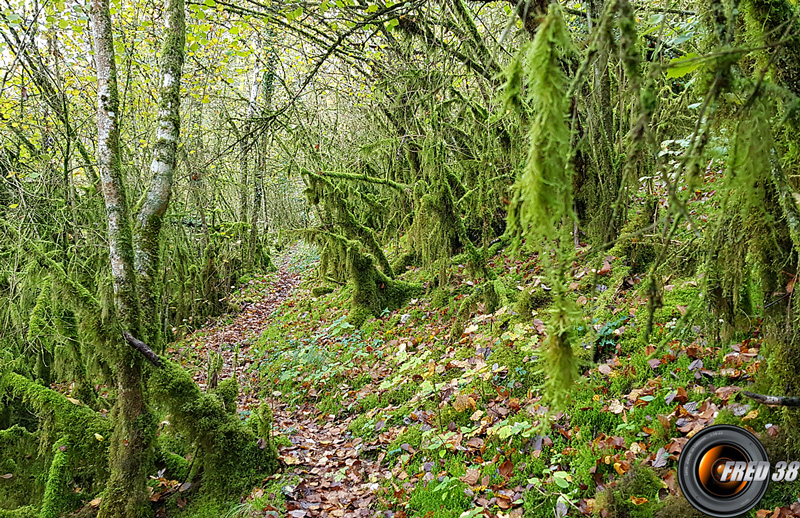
[(244, 149), (148, 224), (267, 90), (126, 493)]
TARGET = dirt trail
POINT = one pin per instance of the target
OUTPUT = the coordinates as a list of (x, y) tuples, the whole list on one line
[(334, 480), (245, 329)]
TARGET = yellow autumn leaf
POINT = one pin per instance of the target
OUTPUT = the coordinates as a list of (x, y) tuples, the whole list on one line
[(13, 206), (750, 415), (98, 437), (638, 500), (463, 402)]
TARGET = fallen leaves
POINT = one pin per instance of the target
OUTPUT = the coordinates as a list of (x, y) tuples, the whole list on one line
[(506, 469)]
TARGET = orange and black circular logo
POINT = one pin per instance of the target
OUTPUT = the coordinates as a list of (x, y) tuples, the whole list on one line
[(723, 471)]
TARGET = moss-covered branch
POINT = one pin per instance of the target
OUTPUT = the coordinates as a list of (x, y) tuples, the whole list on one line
[(365, 178), (321, 189), (230, 457), (58, 477)]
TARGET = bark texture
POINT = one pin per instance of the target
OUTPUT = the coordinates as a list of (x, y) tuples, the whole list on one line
[(126, 493), (148, 224)]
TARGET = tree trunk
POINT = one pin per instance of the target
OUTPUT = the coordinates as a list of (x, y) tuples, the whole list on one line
[(244, 150), (148, 224), (126, 493), (267, 91)]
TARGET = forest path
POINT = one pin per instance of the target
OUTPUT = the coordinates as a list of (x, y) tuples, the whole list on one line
[(245, 329), (325, 474)]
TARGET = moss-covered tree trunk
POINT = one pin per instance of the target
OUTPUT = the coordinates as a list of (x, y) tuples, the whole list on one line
[(148, 224), (126, 493), (255, 254)]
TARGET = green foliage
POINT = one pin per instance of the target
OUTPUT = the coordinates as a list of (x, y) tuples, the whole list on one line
[(639, 482), (19, 448), (231, 457)]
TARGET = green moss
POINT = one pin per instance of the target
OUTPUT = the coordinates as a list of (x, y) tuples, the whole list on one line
[(228, 392), (530, 301), (511, 355), (362, 426), (272, 496), (594, 421), (231, 457), (445, 499), (412, 436), (57, 495), (27, 511), (402, 394), (632, 247), (404, 260), (281, 441), (374, 291), (19, 447), (639, 482), (677, 506), (440, 298), (319, 291), (61, 418), (176, 466)]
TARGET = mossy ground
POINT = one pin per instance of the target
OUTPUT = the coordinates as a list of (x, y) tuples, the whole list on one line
[(461, 421), (402, 383)]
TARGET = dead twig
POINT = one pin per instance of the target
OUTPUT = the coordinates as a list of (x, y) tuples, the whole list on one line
[(142, 348)]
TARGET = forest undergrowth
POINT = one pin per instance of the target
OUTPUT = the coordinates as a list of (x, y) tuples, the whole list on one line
[(401, 417)]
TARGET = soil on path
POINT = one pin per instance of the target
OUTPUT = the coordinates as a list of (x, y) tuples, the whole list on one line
[(329, 477)]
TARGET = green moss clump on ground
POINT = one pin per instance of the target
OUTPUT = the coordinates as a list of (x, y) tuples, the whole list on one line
[(230, 455), (412, 436), (639, 482), (530, 301), (445, 499), (319, 291), (678, 507)]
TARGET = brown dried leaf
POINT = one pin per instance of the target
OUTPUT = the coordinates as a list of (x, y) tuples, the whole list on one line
[(507, 468), (471, 477)]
